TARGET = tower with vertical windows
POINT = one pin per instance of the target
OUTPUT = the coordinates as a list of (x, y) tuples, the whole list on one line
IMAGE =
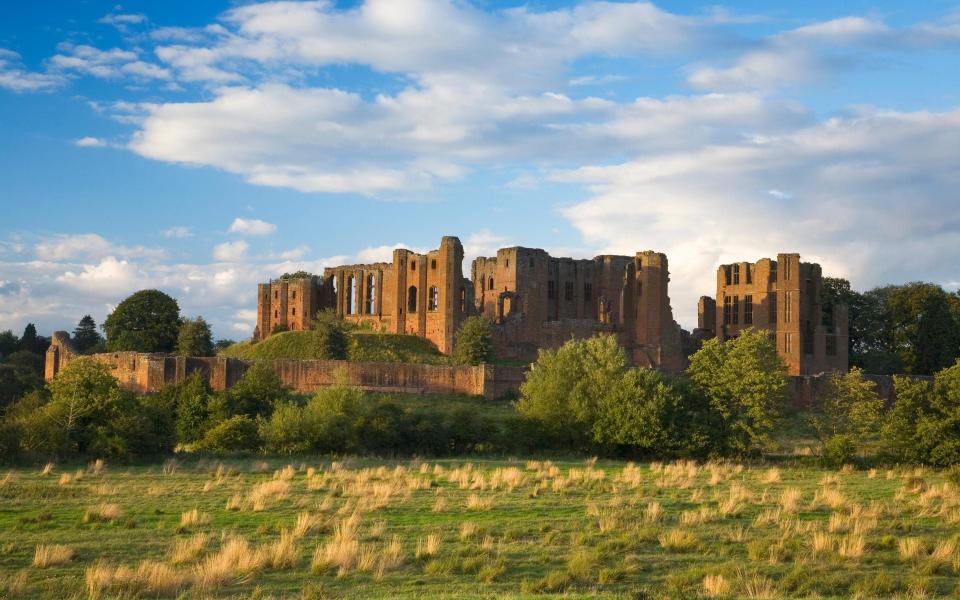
[(783, 297)]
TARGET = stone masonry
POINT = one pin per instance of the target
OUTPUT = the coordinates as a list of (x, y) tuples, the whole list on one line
[(781, 296), (534, 300)]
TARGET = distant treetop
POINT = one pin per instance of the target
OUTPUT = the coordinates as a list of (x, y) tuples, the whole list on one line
[(297, 275)]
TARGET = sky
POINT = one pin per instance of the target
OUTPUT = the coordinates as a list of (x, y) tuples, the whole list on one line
[(202, 147)]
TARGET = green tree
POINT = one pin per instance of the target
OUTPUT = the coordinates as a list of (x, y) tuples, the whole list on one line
[(195, 338), (147, 321), (189, 401), (329, 336), (923, 425), (646, 411), (9, 343), (564, 387), (847, 415), (222, 344), (85, 335), (80, 395), (256, 394), (473, 342), (745, 382), (236, 434), (29, 341)]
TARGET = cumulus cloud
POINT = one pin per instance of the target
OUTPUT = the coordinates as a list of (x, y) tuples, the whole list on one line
[(231, 251), (252, 227), (14, 76), (90, 246), (104, 64), (870, 198)]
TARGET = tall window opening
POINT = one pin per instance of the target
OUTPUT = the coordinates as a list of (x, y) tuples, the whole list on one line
[(587, 292), (412, 299), (351, 295), (371, 304), (568, 290), (463, 299), (433, 300), (808, 338), (735, 311), (749, 274), (748, 310), (551, 290), (788, 307), (491, 284), (433, 263), (726, 275), (727, 310), (772, 305), (736, 274), (788, 343)]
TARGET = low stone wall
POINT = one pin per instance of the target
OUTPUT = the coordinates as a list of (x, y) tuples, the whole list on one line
[(149, 372)]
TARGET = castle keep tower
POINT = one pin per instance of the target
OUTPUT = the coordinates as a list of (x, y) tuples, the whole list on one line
[(784, 298)]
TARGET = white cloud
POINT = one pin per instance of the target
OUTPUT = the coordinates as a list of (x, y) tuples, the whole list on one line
[(123, 19), (178, 232), (90, 246), (15, 77), (252, 227), (870, 197), (104, 64), (231, 251), (89, 142)]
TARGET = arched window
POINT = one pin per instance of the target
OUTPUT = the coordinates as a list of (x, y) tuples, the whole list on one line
[(334, 299), (463, 299), (351, 295), (371, 294), (433, 301), (491, 284), (412, 299)]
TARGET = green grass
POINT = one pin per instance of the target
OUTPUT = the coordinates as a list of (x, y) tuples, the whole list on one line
[(363, 346), (568, 528)]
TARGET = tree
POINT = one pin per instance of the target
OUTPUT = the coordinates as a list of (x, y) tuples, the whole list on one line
[(9, 343), (329, 336), (80, 394), (236, 434), (85, 335), (647, 412), (195, 338), (473, 345), (745, 382), (29, 341), (222, 344), (256, 394), (847, 415), (923, 425), (147, 321), (565, 386)]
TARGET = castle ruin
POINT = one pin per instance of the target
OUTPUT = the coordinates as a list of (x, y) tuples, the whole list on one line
[(784, 297), (533, 299)]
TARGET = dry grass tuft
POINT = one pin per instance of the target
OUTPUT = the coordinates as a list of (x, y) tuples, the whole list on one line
[(236, 560), (477, 502), (715, 586), (52, 555), (678, 540), (104, 512), (189, 549), (13, 586), (910, 547), (852, 546), (429, 547), (193, 518)]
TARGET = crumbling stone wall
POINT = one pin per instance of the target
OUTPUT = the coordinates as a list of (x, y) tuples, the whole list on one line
[(538, 301), (144, 372)]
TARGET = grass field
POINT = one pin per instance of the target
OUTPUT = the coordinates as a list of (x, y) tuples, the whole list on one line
[(314, 528)]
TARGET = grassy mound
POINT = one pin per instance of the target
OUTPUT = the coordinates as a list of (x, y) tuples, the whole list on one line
[(363, 346)]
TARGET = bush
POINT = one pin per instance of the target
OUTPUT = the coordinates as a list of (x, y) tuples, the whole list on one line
[(195, 338), (848, 409), (745, 383), (236, 434), (473, 342), (565, 386), (924, 423), (329, 336), (256, 393), (839, 450)]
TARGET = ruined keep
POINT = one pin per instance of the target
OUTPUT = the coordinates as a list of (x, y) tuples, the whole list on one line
[(784, 297), (534, 300)]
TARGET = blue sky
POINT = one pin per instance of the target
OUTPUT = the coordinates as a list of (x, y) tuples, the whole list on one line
[(202, 147)]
